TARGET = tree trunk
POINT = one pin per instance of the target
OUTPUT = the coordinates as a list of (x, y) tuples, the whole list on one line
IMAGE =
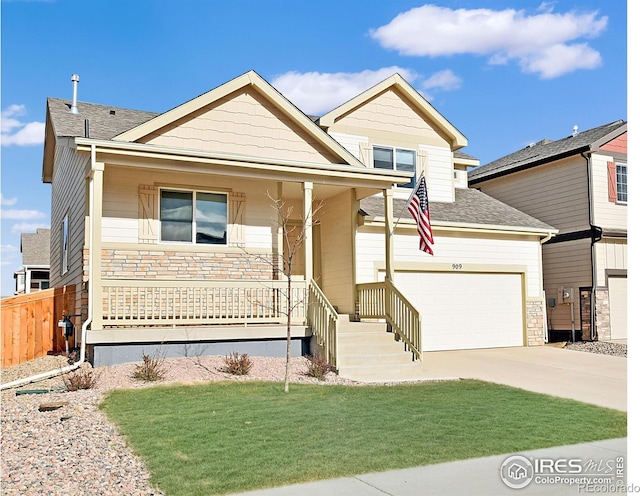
[(288, 361)]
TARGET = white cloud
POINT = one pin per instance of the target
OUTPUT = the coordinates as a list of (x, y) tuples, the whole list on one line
[(21, 214), (317, 93), (28, 227), (541, 42), (17, 132), (7, 201), (443, 80)]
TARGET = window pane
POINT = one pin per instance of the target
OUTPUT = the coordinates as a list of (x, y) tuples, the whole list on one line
[(406, 161), (211, 218), (621, 180), (176, 216), (383, 158)]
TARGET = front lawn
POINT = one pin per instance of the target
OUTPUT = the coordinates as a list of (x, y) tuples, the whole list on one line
[(227, 437)]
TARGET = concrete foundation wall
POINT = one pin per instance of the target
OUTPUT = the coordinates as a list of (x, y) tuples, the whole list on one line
[(113, 354)]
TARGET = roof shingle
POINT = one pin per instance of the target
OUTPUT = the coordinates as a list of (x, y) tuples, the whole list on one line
[(542, 152), (471, 207)]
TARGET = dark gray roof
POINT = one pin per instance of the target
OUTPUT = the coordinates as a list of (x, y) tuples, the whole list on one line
[(105, 122), (471, 206), (35, 247), (544, 151)]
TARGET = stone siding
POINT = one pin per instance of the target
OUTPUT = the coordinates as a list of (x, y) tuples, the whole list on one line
[(535, 323), (176, 265), (603, 315)]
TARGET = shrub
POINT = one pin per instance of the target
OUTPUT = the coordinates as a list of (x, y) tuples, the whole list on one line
[(318, 367), (237, 364), (82, 378), (152, 368)]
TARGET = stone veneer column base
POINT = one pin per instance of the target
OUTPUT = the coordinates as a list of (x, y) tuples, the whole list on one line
[(535, 323), (603, 315)]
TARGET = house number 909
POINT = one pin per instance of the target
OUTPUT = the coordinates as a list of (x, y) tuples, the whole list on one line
[(456, 266)]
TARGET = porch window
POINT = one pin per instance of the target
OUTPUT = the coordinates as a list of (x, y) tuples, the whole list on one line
[(396, 159), (193, 217)]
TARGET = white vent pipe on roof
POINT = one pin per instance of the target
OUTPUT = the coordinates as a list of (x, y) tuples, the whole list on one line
[(74, 103)]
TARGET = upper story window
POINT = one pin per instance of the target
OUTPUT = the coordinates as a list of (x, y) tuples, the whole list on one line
[(396, 159), (621, 182), (193, 217)]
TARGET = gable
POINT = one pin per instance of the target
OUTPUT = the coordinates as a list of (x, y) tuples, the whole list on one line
[(395, 97), (390, 117), (243, 123), (616, 145)]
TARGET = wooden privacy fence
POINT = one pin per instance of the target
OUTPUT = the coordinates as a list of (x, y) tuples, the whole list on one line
[(30, 324)]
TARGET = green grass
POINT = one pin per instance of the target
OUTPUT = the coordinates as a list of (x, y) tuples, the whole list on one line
[(236, 436)]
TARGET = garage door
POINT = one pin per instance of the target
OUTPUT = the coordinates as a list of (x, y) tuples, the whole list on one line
[(466, 310), (618, 306)]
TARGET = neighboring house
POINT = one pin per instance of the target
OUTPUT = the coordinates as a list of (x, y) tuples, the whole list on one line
[(579, 185), (167, 227), (34, 273)]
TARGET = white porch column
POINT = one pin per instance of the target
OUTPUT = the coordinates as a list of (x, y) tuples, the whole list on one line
[(388, 226), (96, 182), (307, 206)]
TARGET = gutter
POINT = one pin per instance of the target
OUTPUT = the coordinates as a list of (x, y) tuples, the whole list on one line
[(85, 324)]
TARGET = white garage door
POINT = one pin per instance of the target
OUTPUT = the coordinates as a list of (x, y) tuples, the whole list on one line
[(466, 310), (618, 306)]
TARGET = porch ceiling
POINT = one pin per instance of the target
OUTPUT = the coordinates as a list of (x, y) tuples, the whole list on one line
[(327, 179)]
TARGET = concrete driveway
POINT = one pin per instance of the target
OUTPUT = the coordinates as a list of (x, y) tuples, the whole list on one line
[(592, 378)]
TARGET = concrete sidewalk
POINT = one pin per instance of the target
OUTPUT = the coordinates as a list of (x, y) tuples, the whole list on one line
[(477, 476), (589, 377)]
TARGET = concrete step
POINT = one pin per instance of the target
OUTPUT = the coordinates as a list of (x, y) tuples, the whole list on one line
[(408, 371), (363, 338), (366, 359)]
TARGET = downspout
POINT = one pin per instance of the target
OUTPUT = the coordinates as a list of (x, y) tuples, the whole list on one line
[(85, 324), (592, 311)]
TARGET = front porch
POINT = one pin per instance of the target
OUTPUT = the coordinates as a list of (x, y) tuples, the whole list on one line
[(198, 317)]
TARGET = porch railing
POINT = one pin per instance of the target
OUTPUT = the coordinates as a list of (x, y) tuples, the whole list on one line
[(128, 302), (382, 300), (322, 319)]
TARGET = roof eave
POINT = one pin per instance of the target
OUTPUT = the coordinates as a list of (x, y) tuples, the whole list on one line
[(529, 165), (130, 152), (468, 227)]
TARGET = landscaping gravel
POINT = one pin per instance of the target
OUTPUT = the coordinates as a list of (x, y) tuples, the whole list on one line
[(74, 449), (601, 347)]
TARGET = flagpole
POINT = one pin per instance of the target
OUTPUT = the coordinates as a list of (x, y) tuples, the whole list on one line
[(407, 203)]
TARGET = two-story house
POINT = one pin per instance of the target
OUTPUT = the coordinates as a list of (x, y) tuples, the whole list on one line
[(579, 185), (167, 227)]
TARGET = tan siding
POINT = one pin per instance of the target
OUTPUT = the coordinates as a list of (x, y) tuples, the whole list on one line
[(244, 123), (439, 174), (451, 249), (389, 113), (566, 265), (336, 270), (554, 193), (606, 214), (68, 196), (120, 221), (352, 144), (610, 254)]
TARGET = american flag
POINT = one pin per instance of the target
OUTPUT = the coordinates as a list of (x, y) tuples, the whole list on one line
[(419, 209)]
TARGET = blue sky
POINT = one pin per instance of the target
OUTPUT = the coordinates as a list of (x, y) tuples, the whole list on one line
[(505, 73)]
